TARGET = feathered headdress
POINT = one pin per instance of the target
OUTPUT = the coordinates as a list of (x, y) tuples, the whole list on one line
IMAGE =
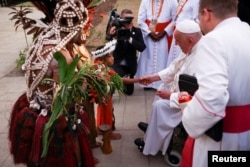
[(48, 8), (69, 16), (107, 49)]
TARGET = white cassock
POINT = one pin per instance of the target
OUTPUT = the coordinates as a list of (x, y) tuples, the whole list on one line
[(154, 58), (186, 9), (223, 77), (166, 114)]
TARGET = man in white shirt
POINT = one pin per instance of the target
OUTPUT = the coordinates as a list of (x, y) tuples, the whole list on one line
[(223, 77)]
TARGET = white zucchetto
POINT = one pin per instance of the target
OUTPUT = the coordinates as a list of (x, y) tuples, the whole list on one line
[(188, 26)]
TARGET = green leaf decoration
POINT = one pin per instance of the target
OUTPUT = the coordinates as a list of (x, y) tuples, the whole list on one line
[(62, 65), (57, 111), (91, 82), (66, 71)]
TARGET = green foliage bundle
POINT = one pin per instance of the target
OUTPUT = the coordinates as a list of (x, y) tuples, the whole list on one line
[(92, 82)]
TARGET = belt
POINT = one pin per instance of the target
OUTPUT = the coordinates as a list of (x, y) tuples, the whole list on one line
[(237, 119)]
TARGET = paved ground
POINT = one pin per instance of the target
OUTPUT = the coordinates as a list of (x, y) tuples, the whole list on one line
[(128, 110)]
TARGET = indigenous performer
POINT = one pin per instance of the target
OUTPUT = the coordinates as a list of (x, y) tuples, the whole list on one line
[(154, 17), (186, 9), (39, 136), (223, 87), (105, 111), (166, 113)]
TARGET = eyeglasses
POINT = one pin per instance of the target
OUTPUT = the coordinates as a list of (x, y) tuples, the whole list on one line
[(197, 20)]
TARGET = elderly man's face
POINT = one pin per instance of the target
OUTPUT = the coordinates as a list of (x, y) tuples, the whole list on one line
[(182, 41)]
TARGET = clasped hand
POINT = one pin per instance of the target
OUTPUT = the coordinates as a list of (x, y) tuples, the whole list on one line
[(145, 80), (156, 36)]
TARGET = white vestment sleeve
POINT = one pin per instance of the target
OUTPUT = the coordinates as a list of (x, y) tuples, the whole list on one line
[(208, 104), (167, 75), (174, 100), (169, 29), (195, 11), (142, 17)]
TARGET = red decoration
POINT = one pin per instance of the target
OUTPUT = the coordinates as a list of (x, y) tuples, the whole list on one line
[(184, 98)]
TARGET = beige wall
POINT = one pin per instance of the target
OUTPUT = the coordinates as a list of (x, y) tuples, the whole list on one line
[(129, 4)]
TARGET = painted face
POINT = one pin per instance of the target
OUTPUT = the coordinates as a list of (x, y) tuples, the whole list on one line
[(109, 60)]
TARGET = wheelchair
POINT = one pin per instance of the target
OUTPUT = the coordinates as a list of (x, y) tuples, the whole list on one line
[(173, 155)]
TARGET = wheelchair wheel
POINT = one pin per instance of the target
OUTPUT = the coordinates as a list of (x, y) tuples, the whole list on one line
[(173, 159)]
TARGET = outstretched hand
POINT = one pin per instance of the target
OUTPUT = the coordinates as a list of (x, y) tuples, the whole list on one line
[(146, 80)]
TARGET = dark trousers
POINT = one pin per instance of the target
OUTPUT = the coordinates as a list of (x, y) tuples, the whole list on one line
[(124, 71)]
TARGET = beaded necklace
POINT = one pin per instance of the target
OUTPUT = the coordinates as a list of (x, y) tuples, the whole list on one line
[(154, 20), (159, 12), (39, 58)]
